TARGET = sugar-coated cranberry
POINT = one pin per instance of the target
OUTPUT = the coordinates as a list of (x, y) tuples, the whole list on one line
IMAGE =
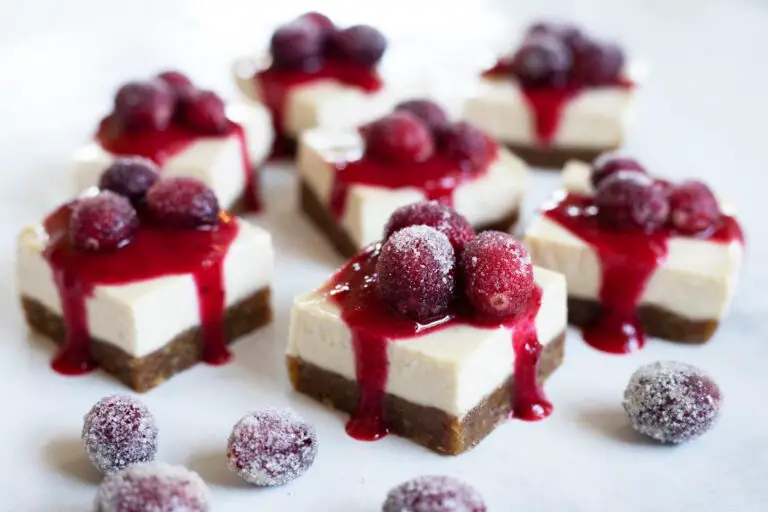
[(361, 44), (629, 199), (178, 82), (155, 487), (429, 112), (671, 402), (119, 431), (434, 494), (182, 203), (144, 105), (271, 447), (130, 177), (597, 63), (297, 46), (467, 144), (321, 21), (498, 275), (417, 273), (542, 61), (398, 137), (435, 215), (204, 111), (567, 32), (693, 207), (612, 162), (103, 222)]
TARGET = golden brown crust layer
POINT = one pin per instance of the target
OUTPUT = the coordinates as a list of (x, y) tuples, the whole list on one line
[(554, 158)]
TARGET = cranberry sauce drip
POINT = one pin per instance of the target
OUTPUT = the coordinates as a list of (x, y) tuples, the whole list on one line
[(155, 252), (160, 146), (274, 86), (373, 325), (628, 260)]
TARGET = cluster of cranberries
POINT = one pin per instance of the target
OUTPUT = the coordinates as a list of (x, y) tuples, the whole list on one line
[(130, 186), (432, 258), (558, 55), (306, 42), (169, 97), (627, 197)]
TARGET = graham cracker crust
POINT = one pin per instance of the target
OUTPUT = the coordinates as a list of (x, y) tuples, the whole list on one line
[(182, 352), (428, 426), (657, 322), (322, 217), (554, 158)]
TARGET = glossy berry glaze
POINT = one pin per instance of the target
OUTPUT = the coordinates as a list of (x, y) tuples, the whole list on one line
[(162, 145), (374, 325), (628, 260), (155, 252)]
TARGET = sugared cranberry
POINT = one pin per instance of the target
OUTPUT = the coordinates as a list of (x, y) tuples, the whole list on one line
[(435, 215), (155, 487), (466, 144), (271, 447), (144, 106), (611, 163), (693, 207), (597, 63), (103, 222), (182, 203), (178, 82), (321, 21), (130, 177), (567, 32), (629, 199), (361, 44), (417, 273), (119, 431), (429, 112), (498, 275), (205, 112), (434, 494), (671, 402), (297, 46), (398, 137), (542, 61)]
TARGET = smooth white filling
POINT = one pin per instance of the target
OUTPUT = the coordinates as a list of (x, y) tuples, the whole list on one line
[(451, 369), (142, 317), (487, 199), (215, 160)]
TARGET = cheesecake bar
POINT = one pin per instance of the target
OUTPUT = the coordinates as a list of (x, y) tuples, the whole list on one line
[(640, 255)]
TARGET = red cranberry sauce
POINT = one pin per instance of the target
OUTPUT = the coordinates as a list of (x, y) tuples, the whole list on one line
[(628, 260), (160, 146), (155, 252), (374, 325), (275, 85)]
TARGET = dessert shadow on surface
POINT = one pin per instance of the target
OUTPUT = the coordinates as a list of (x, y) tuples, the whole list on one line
[(211, 465), (612, 422), (66, 455)]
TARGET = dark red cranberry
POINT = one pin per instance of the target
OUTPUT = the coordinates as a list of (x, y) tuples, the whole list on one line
[(629, 199), (468, 145), (429, 112), (178, 82), (611, 163), (153, 486), (417, 273), (597, 63), (434, 494), (693, 207), (144, 106), (271, 447), (297, 46), (103, 222), (360, 44), (398, 137), (498, 275), (130, 177), (321, 21), (542, 61), (671, 402), (567, 32), (204, 111), (119, 431), (435, 215), (182, 203)]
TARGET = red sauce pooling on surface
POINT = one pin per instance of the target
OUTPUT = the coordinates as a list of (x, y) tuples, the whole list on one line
[(628, 260), (155, 252), (374, 326), (160, 146), (274, 86)]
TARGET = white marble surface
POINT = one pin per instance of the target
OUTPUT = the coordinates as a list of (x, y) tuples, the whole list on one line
[(702, 114)]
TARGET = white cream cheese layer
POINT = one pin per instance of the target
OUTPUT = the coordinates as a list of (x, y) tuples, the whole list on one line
[(487, 199), (216, 161), (451, 369), (143, 316)]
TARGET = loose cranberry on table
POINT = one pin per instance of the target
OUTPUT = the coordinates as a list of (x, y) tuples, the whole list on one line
[(435, 215), (102, 222), (693, 207), (119, 431), (360, 44), (467, 145), (631, 200), (144, 105), (130, 177), (297, 45), (672, 402), (612, 162), (204, 111), (434, 494), (429, 112), (399, 137), (271, 447), (542, 61), (182, 203)]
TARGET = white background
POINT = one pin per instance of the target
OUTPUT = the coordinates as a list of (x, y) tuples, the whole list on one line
[(701, 114)]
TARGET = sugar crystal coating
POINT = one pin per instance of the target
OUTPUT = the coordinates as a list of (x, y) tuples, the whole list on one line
[(398, 137), (629, 199), (434, 494), (103, 222), (435, 215), (182, 203)]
